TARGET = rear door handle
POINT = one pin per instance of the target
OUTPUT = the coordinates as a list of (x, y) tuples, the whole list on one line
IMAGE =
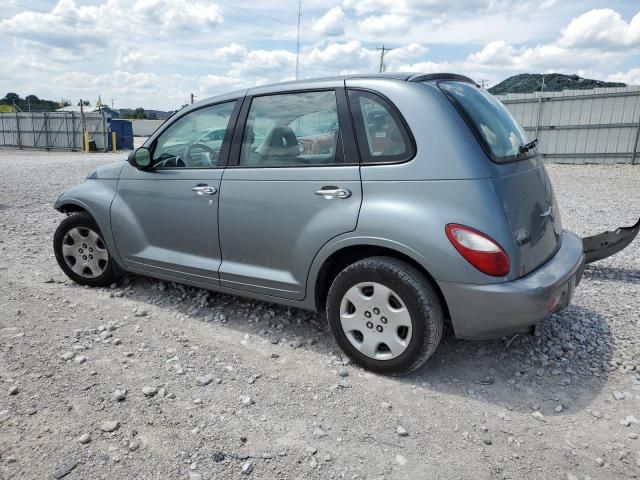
[(204, 190), (334, 192)]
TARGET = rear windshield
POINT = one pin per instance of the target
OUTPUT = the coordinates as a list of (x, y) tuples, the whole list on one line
[(493, 123)]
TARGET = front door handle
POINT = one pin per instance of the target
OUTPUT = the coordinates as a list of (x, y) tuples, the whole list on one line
[(334, 192), (204, 190)]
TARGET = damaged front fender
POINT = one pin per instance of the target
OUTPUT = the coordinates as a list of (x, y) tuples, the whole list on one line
[(606, 244)]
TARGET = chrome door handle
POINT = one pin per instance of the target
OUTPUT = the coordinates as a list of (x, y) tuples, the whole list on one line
[(333, 192), (205, 190)]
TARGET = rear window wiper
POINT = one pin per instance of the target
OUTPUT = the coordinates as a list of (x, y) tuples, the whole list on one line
[(528, 146)]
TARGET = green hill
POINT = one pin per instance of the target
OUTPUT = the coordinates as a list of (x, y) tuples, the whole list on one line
[(553, 82)]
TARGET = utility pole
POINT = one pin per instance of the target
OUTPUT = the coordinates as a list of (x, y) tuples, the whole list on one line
[(383, 52), (112, 104), (298, 38), (192, 97), (484, 83)]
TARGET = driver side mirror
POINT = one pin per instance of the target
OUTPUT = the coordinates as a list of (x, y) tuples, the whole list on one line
[(140, 158)]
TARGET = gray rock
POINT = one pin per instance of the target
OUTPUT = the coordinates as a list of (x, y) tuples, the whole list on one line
[(343, 372), (628, 420), (318, 433), (402, 432), (246, 401), (67, 356), (195, 476), (120, 395), (401, 460), (247, 468), (80, 359), (149, 391), (14, 390), (110, 426), (217, 456), (64, 469), (599, 461), (538, 416), (84, 438), (203, 380)]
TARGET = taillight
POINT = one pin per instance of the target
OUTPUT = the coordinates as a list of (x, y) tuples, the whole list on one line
[(479, 250)]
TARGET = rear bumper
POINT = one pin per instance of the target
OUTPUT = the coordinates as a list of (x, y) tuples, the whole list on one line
[(495, 310)]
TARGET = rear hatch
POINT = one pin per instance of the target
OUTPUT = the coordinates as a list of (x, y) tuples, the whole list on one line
[(519, 176)]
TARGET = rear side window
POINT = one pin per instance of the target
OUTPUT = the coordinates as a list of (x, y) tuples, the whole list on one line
[(492, 122), (381, 133)]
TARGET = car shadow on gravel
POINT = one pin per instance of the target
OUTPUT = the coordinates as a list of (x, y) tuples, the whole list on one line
[(615, 274), (566, 361)]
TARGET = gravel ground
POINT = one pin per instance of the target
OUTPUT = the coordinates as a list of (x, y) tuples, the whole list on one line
[(156, 380)]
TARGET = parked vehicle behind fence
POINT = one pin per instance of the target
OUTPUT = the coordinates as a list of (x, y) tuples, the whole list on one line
[(391, 202)]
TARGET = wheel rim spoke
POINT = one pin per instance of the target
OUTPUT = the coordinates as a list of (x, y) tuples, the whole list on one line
[(369, 346), (84, 252), (375, 320)]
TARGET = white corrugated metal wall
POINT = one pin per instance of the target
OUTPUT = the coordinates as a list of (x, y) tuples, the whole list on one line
[(581, 126)]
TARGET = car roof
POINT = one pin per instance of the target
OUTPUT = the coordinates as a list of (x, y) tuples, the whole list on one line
[(402, 76), (305, 83)]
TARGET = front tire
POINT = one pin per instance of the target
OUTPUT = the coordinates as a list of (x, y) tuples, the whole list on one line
[(82, 253), (385, 315)]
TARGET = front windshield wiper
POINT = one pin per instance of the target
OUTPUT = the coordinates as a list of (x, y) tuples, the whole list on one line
[(528, 146)]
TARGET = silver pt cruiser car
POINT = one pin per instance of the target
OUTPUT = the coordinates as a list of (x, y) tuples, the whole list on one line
[(393, 202)]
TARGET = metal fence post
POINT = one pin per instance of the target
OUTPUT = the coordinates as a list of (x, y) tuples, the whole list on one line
[(635, 145), (73, 130), (46, 130), (104, 129), (18, 131)]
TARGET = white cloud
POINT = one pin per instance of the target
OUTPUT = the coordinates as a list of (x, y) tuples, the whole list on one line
[(215, 52), (602, 28), (333, 22), (384, 24), (176, 15), (631, 77)]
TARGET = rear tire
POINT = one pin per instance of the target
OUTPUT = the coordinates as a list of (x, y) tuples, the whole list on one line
[(385, 315), (82, 253)]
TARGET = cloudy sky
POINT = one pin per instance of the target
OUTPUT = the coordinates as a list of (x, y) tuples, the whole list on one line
[(154, 53)]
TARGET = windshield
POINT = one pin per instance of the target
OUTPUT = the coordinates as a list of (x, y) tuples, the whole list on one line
[(499, 130)]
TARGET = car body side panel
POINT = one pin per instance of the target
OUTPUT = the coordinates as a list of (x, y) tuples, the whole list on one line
[(162, 226), (278, 208)]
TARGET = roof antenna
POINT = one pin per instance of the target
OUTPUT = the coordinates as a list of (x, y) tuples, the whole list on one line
[(298, 38)]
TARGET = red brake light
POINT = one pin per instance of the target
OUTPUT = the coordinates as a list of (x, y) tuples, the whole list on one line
[(479, 250)]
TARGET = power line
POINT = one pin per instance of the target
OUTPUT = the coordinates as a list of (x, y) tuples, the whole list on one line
[(284, 22)]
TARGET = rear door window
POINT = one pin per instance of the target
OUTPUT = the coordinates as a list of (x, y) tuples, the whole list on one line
[(292, 130), (492, 123), (381, 133)]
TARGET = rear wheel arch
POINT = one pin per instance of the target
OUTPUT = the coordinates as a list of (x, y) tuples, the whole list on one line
[(342, 258)]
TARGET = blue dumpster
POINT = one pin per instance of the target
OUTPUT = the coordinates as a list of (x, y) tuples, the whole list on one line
[(124, 134)]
